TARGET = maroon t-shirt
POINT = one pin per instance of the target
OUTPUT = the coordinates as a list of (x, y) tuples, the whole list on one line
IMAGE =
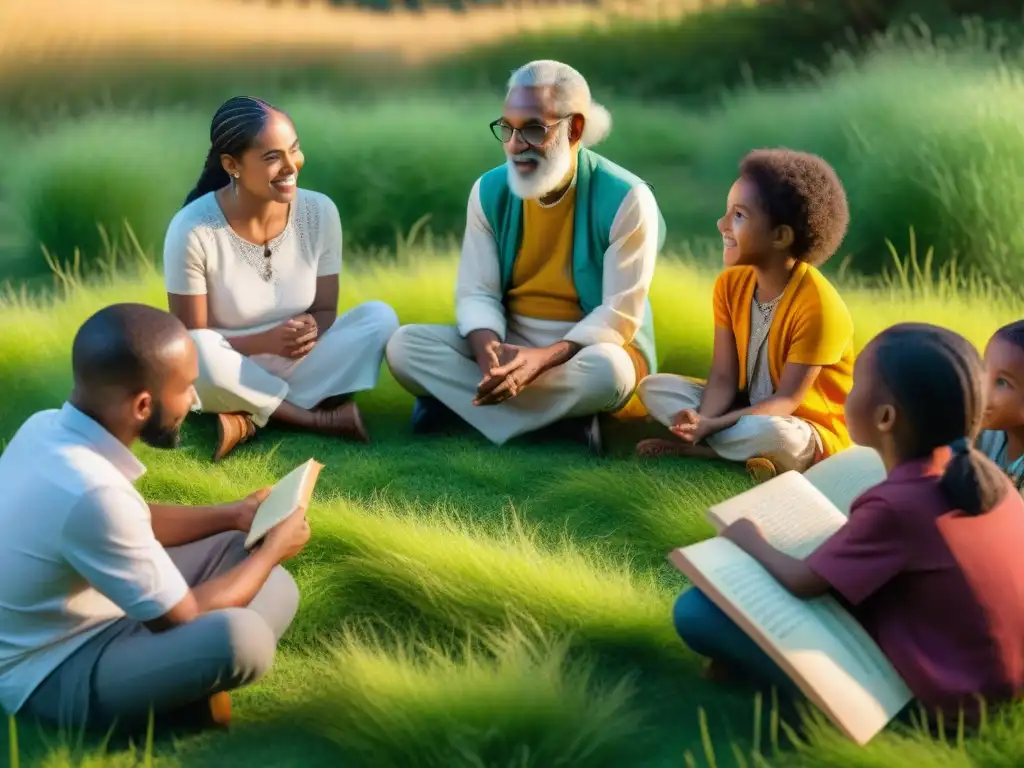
[(942, 593)]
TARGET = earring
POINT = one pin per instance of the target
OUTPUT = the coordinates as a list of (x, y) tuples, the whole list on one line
[(234, 185)]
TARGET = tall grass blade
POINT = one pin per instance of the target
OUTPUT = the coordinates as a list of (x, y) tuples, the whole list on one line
[(12, 738)]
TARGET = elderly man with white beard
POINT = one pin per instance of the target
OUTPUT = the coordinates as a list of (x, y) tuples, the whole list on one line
[(553, 323)]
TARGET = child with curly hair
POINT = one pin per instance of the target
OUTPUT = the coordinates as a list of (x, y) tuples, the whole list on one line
[(1003, 438), (783, 349)]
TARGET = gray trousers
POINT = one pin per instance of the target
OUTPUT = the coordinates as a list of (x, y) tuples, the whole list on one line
[(126, 669)]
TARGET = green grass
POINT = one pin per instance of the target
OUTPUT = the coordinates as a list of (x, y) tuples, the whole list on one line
[(692, 58), (925, 134), (465, 605)]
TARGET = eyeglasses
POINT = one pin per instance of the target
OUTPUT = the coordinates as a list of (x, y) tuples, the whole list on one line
[(533, 134)]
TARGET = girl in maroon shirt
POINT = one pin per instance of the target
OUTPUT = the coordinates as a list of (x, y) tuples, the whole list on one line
[(930, 560)]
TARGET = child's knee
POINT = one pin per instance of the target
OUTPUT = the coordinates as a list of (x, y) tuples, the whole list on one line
[(693, 615), (648, 385), (782, 437)]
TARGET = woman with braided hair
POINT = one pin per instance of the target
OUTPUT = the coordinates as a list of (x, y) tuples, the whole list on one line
[(252, 265)]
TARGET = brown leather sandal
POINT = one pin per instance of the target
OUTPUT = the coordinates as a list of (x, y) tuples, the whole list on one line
[(232, 430), (344, 421)]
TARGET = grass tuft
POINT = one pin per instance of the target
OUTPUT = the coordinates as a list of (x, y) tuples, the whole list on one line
[(510, 698), (453, 571)]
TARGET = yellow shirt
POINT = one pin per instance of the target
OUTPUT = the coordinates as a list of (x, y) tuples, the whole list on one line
[(542, 284), (812, 326)]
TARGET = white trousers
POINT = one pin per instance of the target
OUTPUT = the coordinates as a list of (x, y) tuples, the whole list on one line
[(435, 360), (345, 359), (792, 441)]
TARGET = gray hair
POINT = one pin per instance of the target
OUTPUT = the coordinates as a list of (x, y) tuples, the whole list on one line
[(572, 94)]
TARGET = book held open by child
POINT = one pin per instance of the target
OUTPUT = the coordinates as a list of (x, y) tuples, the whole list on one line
[(816, 642)]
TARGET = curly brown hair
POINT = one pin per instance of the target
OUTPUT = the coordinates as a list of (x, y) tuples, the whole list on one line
[(803, 192)]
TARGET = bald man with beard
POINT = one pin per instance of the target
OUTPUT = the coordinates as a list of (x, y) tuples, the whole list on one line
[(553, 323), (110, 606)]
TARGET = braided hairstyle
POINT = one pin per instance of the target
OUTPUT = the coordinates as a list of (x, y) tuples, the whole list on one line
[(935, 379), (234, 127)]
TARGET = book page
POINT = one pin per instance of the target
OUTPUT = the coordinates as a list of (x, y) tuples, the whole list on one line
[(291, 492), (844, 476), (795, 517), (816, 642)]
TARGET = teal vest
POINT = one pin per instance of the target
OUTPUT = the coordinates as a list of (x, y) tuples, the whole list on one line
[(601, 186)]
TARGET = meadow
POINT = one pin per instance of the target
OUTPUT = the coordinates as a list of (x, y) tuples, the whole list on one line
[(465, 605)]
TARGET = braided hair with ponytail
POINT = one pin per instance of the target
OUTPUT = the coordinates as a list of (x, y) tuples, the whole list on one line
[(934, 377), (234, 128)]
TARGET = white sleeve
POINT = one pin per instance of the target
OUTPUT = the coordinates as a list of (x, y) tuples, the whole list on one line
[(184, 259), (329, 259), (628, 271), (478, 298), (108, 538)]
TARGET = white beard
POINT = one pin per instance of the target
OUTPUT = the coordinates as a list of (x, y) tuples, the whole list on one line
[(550, 172)]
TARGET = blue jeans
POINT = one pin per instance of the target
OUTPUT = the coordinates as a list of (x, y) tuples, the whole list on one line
[(705, 628)]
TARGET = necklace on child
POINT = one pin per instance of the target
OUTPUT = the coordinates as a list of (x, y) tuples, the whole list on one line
[(767, 308)]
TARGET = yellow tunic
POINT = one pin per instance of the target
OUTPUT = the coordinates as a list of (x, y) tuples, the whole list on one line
[(812, 327), (542, 283)]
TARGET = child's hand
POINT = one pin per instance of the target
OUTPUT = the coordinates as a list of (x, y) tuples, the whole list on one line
[(686, 426), (744, 533)]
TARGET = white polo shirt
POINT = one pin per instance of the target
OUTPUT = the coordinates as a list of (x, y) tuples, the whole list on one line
[(77, 548)]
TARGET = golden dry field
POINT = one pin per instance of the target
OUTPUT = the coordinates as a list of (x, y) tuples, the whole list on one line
[(34, 32)]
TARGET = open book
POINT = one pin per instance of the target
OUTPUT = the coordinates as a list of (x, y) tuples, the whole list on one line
[(798, 512), (291, 492), (844, 476), (816, 642)]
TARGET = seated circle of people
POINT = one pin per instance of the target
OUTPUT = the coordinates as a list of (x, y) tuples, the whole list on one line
[(553, 322), (111, 607), (252, 266)]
